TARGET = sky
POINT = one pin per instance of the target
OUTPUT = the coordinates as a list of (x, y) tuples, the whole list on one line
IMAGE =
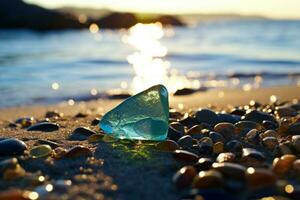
[(269, 8)]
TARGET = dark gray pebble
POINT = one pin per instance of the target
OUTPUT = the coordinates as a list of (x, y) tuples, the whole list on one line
[(81, 133), (207, 116), (44, 126), (12, 146)]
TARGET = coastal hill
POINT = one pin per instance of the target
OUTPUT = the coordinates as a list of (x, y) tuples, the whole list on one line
[(18, 14)]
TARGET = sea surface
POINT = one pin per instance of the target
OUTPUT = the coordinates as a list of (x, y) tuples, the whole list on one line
[(49, 67)]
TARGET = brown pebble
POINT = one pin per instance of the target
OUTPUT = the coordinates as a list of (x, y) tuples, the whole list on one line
[(167, 146), (218, 147), (194, 130), (259, 177), (186, 141), (268, 133), (208, 179), (227, 130), (296, 166), (78, 151), (252, 157), (231, 170), (59, 152), (185, 156), (270, 143), (296, 142), (184, 177), (225, 157), (283, 164)]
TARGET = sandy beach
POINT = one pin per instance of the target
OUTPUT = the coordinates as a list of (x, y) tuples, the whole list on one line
[(113, 170)]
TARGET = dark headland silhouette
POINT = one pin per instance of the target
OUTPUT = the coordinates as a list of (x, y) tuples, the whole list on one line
[(18, 14)]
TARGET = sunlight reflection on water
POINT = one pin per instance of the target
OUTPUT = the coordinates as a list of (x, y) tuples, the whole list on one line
[(149, 63)]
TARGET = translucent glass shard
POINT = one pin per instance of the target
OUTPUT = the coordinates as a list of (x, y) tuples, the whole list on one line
[(144, 116)]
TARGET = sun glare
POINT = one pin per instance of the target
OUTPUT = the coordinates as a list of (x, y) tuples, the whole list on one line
[(149, 63)]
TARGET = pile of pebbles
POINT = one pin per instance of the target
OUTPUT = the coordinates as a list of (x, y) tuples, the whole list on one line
[(246, 152)]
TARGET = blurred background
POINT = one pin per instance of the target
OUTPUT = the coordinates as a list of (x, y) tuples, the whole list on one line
[(74, 50)]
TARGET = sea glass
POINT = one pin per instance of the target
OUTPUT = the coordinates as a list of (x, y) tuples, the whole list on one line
[(144, 116)]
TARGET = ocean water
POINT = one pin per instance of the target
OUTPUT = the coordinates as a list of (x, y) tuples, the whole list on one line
[(48, 67)]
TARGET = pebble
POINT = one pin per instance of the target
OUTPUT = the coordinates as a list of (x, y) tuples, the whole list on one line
[(208, 179), (203, 164), (268, 133), (12, 146), (14, 173), (44, 126), (296, 142), (186, 141), (283, 164), (184, 91), (81, 133), (218, 147), (207, 116), (296, 166), (40, 151), (269, 125), (258, 116), (167, 146), (53, 114), (205, 146), (225, 157), (227, 130), (77, 151), (238, 112), (59, 152), (9, 163), (231, 170), (253, 137), (234, 146), (285, 111), (25, 121), (188, 120), (176, 131), (95, 122), (81, 115), (195, 132), (294, 129), (270, 143), (284, 149), (242, 126), (223, 117), (252, 157), (260, 177), (216, 137), (185, 156), (52, 144), (15, 194), (184, 177)]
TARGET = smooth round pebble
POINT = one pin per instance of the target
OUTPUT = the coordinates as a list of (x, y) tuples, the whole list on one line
[(167, 146), (185, 156), (208, 179), (283, 164), (81, 133), (40, 151), (12, 146), (183, 178), (44, 126), (207, 116)]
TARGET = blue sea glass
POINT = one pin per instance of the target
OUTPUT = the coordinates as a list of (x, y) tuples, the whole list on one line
[(144, 116)]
